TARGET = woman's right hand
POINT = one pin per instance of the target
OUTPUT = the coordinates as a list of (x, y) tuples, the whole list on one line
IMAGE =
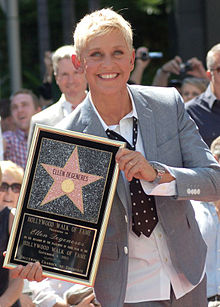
[(31, 272)]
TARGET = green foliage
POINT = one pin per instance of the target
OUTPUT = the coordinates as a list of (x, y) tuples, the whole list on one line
[(4, 68), (148, 19)]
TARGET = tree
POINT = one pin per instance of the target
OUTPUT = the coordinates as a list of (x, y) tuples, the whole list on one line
[(55, 21), (43, 31), (68, 20), (93, 5)]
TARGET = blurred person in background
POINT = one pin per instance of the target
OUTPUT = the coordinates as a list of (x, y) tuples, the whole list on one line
[(72, 84), (208, 218), (192, 67), (59, 293), (7, 122), (12, 176), (192, 87), (23, 104), (205, 108), (45, 90), (140, 65), (10, 288)]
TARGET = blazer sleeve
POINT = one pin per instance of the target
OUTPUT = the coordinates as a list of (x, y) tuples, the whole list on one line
[(199, 178)]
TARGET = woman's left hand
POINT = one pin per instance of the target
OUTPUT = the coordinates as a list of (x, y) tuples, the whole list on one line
[(133, 164)]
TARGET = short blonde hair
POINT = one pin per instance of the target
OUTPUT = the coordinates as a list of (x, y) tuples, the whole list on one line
[(215, 147), (64, 52), (99, 23), (15, 170)]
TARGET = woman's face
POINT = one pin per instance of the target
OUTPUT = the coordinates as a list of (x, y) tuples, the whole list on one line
[(107, 62), (9, 190), (189, 91)]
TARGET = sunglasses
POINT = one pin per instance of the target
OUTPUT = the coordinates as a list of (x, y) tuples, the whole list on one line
[(16, 187), (217, 69)]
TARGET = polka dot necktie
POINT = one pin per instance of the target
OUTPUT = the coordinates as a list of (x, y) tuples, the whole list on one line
[(144, 214)]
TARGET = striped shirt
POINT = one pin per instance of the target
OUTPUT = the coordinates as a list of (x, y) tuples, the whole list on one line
[(16, 147)]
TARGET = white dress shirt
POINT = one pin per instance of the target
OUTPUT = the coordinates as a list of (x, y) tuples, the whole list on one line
[(66, 106), (150, 271)]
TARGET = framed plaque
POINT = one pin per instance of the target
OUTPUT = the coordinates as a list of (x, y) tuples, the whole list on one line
[(64, 204)]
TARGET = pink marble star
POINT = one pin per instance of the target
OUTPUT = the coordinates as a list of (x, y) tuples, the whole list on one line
[(68, 181)]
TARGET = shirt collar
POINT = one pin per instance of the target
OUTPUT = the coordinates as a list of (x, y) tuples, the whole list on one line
[(66, 105), (131, 114), (209, 96)]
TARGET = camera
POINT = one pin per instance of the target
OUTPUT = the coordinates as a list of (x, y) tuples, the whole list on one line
[(184, 67), (150, 55)]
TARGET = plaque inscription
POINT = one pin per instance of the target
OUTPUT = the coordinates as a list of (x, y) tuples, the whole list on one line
[(62, 245)]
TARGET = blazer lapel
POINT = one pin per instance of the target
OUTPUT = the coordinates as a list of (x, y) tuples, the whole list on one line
[(147, 125), (90, 120)]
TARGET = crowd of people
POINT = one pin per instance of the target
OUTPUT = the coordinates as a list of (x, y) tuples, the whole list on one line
[(174, 164)]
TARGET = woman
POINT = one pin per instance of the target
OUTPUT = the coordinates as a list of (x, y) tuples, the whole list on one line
[(10, 289), (137, 269), (192, 87), (12, 176)]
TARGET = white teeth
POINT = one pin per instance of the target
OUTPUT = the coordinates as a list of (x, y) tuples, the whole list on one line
[(110, 76)]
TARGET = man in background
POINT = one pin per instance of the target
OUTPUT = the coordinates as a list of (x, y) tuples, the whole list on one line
[(205, 108), (23, 105), (72, 84)]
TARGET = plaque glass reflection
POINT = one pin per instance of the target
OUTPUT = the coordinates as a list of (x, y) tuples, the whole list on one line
[(64, 204)]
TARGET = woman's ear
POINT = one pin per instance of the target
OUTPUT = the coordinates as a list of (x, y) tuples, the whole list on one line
[(132, 60), (76, 62), (209, 75)]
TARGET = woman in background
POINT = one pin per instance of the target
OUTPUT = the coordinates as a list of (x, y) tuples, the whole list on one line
[(192, 87), (11, 178)]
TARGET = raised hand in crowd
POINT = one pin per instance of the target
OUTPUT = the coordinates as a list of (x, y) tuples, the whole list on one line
[(141, 62), (176, 66), (197, 68), (163, 73)]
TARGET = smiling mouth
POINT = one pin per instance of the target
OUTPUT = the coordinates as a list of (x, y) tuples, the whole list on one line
[(108, 76)]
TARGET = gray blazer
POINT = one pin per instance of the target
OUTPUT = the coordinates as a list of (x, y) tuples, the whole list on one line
[(171, 138)]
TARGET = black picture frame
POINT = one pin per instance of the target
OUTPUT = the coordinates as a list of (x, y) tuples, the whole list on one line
[(64, 204)]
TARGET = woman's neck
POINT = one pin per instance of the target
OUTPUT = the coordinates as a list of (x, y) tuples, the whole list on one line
[(112, 108)]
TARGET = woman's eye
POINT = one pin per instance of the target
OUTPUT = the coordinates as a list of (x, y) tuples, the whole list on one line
[(95, 54), (118, 52)]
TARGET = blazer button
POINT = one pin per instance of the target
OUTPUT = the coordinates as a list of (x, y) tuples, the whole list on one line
[(126, 219), (126, 250)]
